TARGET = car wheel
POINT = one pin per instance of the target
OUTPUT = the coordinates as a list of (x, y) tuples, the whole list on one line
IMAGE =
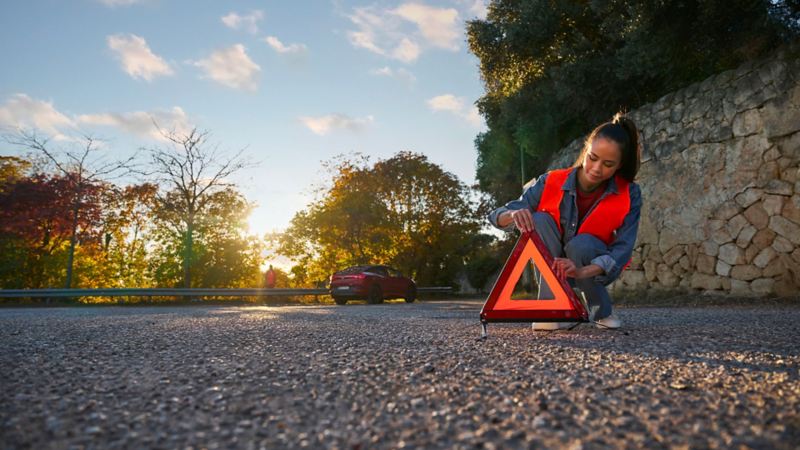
[(375, 295), (411, 294), (340, 301)]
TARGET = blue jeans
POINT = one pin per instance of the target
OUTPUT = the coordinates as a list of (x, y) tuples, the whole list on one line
[(581, 250)]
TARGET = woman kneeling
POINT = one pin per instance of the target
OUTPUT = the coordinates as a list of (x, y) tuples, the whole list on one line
[(587, 215)]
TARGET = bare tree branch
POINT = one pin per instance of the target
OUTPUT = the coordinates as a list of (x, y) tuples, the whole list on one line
[(193, 171), (87, 167)]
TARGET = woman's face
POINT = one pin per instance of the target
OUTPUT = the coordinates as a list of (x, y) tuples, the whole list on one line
[(602, 160)]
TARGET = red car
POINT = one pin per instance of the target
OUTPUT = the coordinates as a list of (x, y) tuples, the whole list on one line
[(371, 283)]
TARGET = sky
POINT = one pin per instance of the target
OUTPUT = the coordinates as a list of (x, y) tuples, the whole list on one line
[(293, 83)]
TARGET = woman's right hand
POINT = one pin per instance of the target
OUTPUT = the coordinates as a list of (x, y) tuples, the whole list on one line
[(523, 219)]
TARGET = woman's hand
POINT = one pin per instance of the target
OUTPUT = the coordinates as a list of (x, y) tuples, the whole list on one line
[(564, 267), (523, 219)]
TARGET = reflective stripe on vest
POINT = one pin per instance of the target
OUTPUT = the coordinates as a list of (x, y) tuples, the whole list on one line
[(606, 216)]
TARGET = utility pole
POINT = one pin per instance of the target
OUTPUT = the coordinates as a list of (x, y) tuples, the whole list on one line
[(529, 272)]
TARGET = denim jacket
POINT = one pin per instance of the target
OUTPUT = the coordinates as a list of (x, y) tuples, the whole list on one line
[(620, 250)]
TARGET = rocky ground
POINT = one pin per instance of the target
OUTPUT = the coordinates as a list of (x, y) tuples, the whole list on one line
[(395, 376)]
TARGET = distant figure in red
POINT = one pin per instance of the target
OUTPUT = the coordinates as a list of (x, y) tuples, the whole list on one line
[(269, 278)]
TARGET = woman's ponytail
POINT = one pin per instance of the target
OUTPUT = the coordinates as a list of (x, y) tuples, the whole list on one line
[(632, 155)]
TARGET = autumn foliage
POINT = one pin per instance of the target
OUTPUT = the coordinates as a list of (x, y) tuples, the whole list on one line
[(123, 237), (403, 211), (187, 228)]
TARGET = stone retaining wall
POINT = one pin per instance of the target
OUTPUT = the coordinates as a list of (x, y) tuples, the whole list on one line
[(720, 184)]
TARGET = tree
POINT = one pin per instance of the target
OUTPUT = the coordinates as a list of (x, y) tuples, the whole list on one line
[(191, 172), (431, 214), (346, 226), (552, 70), (36, 227), (223, 254), (83, 173), (39, 229), (126, 226), (12, 169), (404, 211)]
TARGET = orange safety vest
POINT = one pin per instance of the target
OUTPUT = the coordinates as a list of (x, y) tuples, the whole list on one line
[(606, 216)]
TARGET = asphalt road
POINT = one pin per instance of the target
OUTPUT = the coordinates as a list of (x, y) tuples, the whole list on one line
[(395, 376)]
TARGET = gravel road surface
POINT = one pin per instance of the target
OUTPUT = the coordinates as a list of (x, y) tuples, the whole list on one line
[(395, 376)]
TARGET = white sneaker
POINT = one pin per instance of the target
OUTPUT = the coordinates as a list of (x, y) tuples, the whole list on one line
[(611, 322), (550, 326)]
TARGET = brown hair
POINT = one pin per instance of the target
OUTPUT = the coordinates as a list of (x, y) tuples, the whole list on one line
[(623, 131)]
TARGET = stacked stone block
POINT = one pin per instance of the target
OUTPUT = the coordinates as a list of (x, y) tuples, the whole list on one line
[(721, 184)]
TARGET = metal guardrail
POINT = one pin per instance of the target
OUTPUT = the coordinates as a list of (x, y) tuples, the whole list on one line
[(177, 292)]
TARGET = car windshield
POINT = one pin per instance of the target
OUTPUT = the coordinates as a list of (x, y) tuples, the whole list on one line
[(352, 270), (378, 270)]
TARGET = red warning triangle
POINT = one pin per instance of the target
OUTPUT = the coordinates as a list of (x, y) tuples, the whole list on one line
[(563, 307)]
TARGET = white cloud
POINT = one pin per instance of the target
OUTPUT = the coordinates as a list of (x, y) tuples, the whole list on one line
[(280, 47), (400, 74), (447, 102), (406, 51), (364, 39), (247, 22), (403, 33), (114, 3), (24, 112), (369, 24), (385, 71), (231, 67), (136, 58), (457, 106), (142, 123), (323, 125), (474, 8), (479, 9), (473, 116), (439, 26)]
